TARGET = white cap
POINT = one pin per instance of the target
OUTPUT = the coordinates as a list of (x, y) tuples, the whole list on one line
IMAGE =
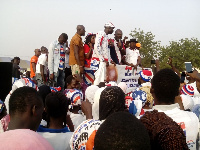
[(109, 24)]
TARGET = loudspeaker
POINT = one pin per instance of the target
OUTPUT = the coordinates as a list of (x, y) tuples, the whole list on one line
[(5, 79)]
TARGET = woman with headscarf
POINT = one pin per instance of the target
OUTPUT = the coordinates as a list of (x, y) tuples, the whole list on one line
[(112, 99), (88, 49)]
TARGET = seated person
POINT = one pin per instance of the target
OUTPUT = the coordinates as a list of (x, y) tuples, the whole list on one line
[(133, 58), (25, 109), (56, 132)]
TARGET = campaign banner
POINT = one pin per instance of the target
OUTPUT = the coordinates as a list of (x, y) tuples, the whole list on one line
[(128, 75)]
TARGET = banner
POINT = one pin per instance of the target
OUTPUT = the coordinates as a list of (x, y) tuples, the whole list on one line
[(129, 75)]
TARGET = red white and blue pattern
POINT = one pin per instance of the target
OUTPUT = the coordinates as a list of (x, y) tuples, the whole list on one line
[(55, 89), (187, 90), (146, 75), (76, 97), (62, 58), (88, 76)]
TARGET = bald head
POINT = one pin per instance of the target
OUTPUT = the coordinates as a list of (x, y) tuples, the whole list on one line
[(80, 30), (37, 52), (118, 34)]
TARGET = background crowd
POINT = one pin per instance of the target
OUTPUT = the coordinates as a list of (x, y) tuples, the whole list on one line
[(71, 99)]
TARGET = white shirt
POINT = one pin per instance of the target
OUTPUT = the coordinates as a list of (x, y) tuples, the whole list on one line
[(42, 60), (132, 56), (187, 120), (77, 119), (59, 141)]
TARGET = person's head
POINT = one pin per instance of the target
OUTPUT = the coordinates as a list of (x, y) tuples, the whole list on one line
[(122, 131), (25, 109), (80, 30), (56, 107), (112, 100), (16, 60), (164, 133), (44, 50), (37, 52), (133, 43), (109, 28), (145, 76), (165, 86), (63, 38), (89, 93), (90, 38), (71, 82), (118, 34)]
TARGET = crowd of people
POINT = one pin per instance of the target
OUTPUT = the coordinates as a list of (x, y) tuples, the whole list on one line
[(71, 99)]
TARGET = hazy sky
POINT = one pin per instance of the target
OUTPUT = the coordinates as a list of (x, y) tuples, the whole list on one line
[(29, 24)]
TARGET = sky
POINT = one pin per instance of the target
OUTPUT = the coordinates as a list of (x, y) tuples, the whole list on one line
[(29, 24)]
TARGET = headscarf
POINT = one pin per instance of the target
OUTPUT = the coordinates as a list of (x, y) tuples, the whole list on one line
[(163, 131), (23, 139), (89, 93), (95, 106), (112, 100)]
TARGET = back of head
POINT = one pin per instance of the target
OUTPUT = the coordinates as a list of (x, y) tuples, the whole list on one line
[(23, 139), (165, 84), (23, 97), (163, 131), (122, 131), (112, 100), (56, 106)]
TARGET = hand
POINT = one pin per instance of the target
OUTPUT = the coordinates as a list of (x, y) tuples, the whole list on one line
[(119, 44), (111, 43), (194, 74), (170, 61), (78, 78), (51, 76), (125, 38), (112, 62), (107, 63), (81, 70), (90, 45), (86, 107)]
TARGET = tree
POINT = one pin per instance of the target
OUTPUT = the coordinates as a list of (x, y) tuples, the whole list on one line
[(184, 50), (150, 49)]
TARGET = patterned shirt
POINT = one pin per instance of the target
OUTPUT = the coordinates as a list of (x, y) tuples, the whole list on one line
[(62, 58)]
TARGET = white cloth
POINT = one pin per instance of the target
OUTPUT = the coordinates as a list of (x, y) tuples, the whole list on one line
[(117, 51), (67, 59), (187, 120), (59, 141), (196, 92), (95, 106), (42, 60), (77, 119), (100, 74), (101, 51), (89, 93), (132, 56)]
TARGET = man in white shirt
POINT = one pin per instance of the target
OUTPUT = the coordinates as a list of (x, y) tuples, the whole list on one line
[(164, 89), (132, 55), (41, 67), (101, 53)]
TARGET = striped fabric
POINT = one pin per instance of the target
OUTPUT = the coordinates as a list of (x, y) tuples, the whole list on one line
[(62, 58)]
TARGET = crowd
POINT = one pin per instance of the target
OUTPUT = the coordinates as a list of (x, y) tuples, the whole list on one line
[(72, 100)]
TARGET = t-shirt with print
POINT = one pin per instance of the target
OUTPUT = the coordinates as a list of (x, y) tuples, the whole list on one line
[(42, 60), (132, 56), (34, 59)]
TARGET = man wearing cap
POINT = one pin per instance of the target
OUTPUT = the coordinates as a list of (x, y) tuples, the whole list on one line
[(101, 54), (33, 63), (132, 55), (76, 55)]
